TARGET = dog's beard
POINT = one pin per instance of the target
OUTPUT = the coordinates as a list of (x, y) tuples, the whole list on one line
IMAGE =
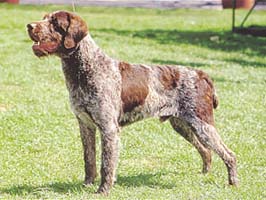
[(44, 48)]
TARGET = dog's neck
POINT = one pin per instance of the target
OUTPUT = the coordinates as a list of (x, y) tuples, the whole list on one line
[(87, 59)]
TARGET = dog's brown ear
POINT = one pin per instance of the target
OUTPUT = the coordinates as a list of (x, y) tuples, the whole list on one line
[(76, 32), (73, 26)]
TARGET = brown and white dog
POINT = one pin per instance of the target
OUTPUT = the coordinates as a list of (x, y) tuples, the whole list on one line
[(108, 94)]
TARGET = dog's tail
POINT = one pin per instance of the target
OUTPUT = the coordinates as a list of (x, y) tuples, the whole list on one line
[(215, 99)]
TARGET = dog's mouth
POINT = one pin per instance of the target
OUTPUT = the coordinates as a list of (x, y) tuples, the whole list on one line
[(36, 47), (38, 51), (44, 48), (40, 46)]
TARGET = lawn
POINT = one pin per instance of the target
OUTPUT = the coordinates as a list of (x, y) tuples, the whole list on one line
[(40, 148)]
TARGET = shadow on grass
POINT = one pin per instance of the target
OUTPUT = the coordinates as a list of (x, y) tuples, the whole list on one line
[(246, 63), (214, 40), (150, 180), (57, 187), (172, 62)]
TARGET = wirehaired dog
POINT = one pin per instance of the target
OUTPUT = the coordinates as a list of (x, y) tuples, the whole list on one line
[(108, 94)]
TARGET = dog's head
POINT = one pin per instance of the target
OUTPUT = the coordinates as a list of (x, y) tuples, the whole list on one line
[(58, 33)]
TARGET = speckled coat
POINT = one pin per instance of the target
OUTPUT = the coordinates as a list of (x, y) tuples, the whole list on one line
[(108, 94)]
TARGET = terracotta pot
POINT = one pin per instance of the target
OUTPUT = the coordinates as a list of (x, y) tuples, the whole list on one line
[(12, 1), (246, 4)]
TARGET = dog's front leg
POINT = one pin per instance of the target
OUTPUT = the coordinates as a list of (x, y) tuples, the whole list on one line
[(110, 154), (87, 133)]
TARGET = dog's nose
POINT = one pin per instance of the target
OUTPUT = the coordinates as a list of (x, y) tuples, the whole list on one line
[(31, 26)]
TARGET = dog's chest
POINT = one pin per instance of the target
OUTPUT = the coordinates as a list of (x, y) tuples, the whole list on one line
[(82, 102)]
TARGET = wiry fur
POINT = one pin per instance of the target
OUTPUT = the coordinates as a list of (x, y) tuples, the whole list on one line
[(108, 94)]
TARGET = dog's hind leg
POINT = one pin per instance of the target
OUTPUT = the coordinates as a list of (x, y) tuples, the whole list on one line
[(187, 133), (208, 136)]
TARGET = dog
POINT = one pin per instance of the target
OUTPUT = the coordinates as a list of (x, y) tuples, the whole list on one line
[(109, 94)]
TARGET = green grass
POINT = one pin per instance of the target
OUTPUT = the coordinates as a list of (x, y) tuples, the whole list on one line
[(40, 148)]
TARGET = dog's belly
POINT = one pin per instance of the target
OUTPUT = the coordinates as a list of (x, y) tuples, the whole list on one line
[(129, 117), (150, 109)]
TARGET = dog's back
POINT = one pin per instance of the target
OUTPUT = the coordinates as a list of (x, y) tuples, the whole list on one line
[(165, 91)]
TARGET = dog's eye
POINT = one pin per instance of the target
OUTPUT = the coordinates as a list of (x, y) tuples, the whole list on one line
[(54, 22)]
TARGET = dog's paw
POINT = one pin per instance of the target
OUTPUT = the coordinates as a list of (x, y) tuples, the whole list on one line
[(234, 181), (103, 191), (88, 183)]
